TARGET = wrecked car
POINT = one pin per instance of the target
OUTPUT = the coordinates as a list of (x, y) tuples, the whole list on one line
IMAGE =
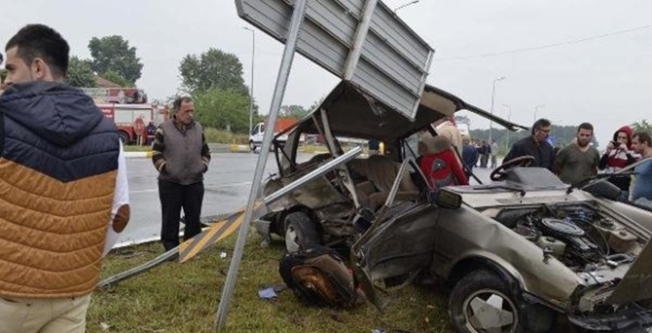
[(518, 252)]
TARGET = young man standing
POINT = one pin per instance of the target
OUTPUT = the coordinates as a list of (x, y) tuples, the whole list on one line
[(181, 156), (63, 189), (579, 159), (642, 185)]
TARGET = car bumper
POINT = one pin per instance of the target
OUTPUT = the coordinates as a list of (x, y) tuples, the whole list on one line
[(633, 321)]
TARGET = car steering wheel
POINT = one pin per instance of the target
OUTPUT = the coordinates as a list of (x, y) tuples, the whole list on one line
[(500, 173)]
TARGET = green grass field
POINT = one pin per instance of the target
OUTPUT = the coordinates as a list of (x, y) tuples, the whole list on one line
[(176, 298)]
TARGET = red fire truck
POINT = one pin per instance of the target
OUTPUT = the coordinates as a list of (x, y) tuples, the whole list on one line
[(129, 109), (132, 119)]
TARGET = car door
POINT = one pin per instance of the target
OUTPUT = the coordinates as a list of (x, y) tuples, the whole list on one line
[(399, 244)]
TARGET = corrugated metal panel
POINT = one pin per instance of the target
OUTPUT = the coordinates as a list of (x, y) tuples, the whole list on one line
[(394, 61)]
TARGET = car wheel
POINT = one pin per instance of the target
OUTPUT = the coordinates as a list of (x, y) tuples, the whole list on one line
[(252, 146), (481, 302), (300, 232)]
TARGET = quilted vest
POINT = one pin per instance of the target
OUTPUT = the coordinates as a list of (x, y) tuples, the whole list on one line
[(58, 167)]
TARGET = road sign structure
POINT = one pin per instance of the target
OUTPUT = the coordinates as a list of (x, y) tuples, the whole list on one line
[(361, 41)]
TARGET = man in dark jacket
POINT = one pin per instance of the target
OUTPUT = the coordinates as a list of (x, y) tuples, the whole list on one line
[(181, 156), (63, 189), (469, 154), (535, 145)]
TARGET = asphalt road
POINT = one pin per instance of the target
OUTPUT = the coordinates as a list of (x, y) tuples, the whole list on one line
[(227, 184)]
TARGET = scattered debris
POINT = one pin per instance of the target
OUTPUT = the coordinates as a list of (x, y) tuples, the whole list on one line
[(267, 293), (105, 326), (223, 255)]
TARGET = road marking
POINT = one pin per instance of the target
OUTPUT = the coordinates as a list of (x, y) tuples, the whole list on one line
[(206, 187), (218, 231)]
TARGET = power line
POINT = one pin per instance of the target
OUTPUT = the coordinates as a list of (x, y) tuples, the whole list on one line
[(536, 48)]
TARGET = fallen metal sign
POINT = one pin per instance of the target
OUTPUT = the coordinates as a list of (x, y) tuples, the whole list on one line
[(361, 41)]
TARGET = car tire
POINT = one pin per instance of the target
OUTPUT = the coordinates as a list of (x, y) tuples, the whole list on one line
[(494, 304), (252, 146), (300, 232)]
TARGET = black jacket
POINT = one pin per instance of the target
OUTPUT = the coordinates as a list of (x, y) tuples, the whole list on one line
[(542, 152)]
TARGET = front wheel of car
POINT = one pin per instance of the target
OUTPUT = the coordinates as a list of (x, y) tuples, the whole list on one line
[(300, 232), (482, 302)]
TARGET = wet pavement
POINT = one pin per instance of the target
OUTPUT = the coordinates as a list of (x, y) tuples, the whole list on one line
[(227, 184)]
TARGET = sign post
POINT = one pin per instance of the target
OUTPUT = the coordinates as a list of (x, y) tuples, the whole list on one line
[(279, 91)]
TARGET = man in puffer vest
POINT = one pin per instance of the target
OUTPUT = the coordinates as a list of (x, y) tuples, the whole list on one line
[(63, 189), (181, 156)]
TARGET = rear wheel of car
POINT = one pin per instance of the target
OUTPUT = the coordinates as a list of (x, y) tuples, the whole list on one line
[(300, 232), (481, 302)]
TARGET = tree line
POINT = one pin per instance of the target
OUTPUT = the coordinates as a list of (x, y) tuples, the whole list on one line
[(213, 78)]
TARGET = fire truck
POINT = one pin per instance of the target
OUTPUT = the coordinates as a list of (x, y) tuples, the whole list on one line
[(129, 110), (132, 119)]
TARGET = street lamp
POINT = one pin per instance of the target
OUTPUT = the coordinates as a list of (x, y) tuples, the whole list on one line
[(536, 109), (251, 88), (405, 5), (493, 93)]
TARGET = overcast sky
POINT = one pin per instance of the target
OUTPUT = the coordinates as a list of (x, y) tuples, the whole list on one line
[(607, 81)]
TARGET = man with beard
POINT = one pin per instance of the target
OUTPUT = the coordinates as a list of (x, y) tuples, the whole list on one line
[(535, 145), (642, 184), (579, 159)]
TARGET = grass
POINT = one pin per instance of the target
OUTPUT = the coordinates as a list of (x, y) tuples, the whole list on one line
[(220, 136), (137, 148), (175, 298)]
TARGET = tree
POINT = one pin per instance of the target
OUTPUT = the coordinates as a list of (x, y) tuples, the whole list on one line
[(80, 73), (117, 78), (222, 109), (642, 126), (293, 111), (213, 69), (113, 53)]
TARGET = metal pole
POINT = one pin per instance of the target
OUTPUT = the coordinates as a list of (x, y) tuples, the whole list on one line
[(279, 92), (358, 41), (509, 118), (251, 89), (493, 93)]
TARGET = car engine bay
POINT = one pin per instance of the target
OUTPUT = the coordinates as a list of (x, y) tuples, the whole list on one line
[(579, 236)]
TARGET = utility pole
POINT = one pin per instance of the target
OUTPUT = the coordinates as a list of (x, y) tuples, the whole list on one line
[(509, 118), (251, 88)]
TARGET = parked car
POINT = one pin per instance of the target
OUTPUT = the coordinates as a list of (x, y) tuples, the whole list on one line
[(517, 252)]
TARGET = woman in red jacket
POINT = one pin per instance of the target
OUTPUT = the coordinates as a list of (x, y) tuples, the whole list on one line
[(618, 155), (439, 164)]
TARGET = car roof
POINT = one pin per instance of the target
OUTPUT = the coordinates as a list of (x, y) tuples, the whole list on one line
[(352, 113)]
